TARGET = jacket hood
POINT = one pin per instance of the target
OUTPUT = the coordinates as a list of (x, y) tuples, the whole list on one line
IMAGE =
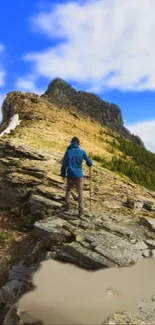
[(73, 145)]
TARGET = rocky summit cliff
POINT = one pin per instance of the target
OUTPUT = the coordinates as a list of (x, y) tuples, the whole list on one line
[(106, 113), (117, 231)]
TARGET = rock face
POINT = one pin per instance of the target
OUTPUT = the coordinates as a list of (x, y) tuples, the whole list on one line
[(150, 206), (144, 316), (63, 94), (150, 222), (141, 318), (14, 102), (110, 250), (19, 282), (89, 248), (19, 279)]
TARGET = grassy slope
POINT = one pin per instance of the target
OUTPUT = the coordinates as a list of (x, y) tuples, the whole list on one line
[(46, 127), (56, 127)]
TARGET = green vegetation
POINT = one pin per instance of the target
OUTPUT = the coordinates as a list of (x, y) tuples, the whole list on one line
[(139, 154), (19, 130), (137, 163), (5, 239), (113, 144), (99, 159), (75, 115)]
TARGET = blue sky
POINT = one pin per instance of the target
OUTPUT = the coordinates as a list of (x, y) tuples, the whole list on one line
[(100, 46)]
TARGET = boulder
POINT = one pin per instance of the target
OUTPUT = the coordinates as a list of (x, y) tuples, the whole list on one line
[(126, 319), (77, 253), (149, 205), (114, 228), (150, 243), (53, 229), (21, 273), (18, 283), (149, 222), (145, 315), (132, 203), (38, 207), (113, 247), (146, 253), (38, 202), (96, 249), (12, 289), (141, 245)]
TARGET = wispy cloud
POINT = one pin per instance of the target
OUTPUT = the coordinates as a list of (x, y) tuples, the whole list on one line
[(2, 71), (2, 48), (2, 97), (28, 84), (106, 43), (146, 130)]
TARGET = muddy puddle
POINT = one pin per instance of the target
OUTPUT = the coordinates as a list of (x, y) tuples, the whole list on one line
[(66, 294)]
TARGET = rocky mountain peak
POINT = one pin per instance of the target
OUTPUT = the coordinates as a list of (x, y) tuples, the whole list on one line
[(58, 82), (109, 114), (60, 92)]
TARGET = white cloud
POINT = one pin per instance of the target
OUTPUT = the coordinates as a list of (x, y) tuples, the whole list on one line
[(24, 84), (106, 43), (28, 84), (2, 72), (2, 47), (146, 131)]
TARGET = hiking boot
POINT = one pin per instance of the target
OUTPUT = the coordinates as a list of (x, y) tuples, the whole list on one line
[(81, 214), (65, 207)]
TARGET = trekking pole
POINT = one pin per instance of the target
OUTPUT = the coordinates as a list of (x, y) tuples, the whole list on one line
[(90, 186)]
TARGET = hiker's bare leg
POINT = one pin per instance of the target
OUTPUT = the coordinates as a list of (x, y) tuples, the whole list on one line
[(79, 186)]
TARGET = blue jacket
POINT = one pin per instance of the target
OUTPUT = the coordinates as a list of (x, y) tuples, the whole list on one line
[(72, 162)]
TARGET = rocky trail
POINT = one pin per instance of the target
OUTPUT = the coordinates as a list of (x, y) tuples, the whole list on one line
[(116, 233)]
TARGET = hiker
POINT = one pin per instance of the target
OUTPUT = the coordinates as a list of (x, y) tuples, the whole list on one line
[(72, 164)]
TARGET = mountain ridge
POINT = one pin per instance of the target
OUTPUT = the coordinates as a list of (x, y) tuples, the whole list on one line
[(109, 114), (49, 126)]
